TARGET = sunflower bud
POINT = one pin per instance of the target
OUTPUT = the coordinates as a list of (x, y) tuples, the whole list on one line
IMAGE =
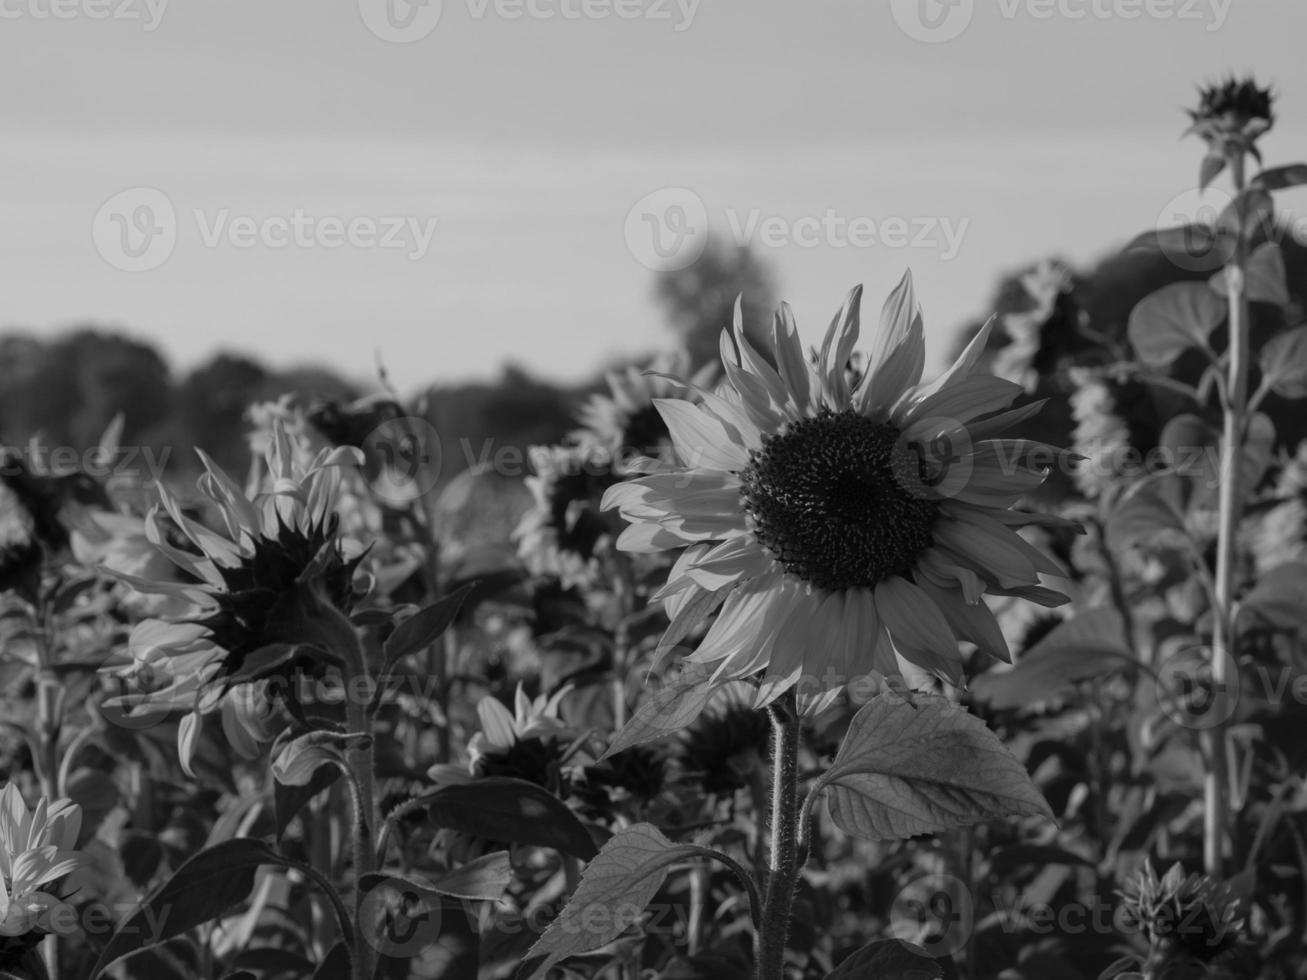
[(1231, 115)]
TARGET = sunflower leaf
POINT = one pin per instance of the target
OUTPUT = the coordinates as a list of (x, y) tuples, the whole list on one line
[(1265, 279), (513, 811), (920, 767), (205, 887), (670, 708), (1284, 363), (614, 891), (1092, 644), (1166, 323), (425, 626)]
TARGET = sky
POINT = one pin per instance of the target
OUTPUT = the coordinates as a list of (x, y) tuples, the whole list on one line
[(463, 183)]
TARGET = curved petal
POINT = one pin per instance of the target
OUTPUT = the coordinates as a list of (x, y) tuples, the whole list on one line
[(702, 441)]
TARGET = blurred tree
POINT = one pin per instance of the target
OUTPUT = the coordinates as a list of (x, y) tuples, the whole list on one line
[(494, 423), (700, 299), (71, 388)]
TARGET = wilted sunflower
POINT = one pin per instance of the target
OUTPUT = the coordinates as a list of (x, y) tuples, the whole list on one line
[(1232, 114), (257, 587), (1187, 921), (37, 849), (842, 529)]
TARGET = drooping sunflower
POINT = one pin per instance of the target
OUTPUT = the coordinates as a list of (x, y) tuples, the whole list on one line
[(842, 530), (37, 850), (255, 588)]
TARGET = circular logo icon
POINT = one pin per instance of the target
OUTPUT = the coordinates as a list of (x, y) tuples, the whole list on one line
[(668, 229), (399, 919), (932, 21), (129, 704), (1186, 230), (935, 912), (1189, 693), (400, 21), (136, 229), (932, 460), (403, 459)]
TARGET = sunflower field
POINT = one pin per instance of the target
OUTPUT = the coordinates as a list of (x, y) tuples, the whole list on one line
[(787, 662)]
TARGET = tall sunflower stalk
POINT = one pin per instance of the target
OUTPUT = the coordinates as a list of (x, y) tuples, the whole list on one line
[(1230, 118)]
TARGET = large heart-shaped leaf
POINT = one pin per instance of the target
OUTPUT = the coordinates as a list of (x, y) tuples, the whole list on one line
[(1284, 363), (1164, 324), (921, 767)]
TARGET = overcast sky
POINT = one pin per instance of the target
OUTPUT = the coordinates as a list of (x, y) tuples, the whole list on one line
[(470, 182)]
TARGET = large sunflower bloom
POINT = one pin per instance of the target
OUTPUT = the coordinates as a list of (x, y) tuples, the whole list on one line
[(37, 849), (842, 530), (254, 586)]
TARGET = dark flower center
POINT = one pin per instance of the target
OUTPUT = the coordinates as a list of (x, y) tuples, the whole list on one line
[(840, 501), (645, 432)]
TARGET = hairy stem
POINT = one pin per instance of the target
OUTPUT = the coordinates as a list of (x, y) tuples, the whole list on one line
[(783, 867), (1215, 817)]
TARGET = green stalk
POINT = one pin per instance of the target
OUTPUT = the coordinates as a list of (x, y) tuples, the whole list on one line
[(360, 762), (783, 866), (1215, 807)]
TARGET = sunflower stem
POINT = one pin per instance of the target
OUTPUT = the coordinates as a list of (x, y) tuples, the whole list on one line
[(783, 868), (1230, 511), (360, 761)]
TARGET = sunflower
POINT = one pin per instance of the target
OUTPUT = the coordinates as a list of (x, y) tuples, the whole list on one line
[(1232, 114), (256, 591), (564, 532), (842, 530), (37, 849), (625, 420)]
